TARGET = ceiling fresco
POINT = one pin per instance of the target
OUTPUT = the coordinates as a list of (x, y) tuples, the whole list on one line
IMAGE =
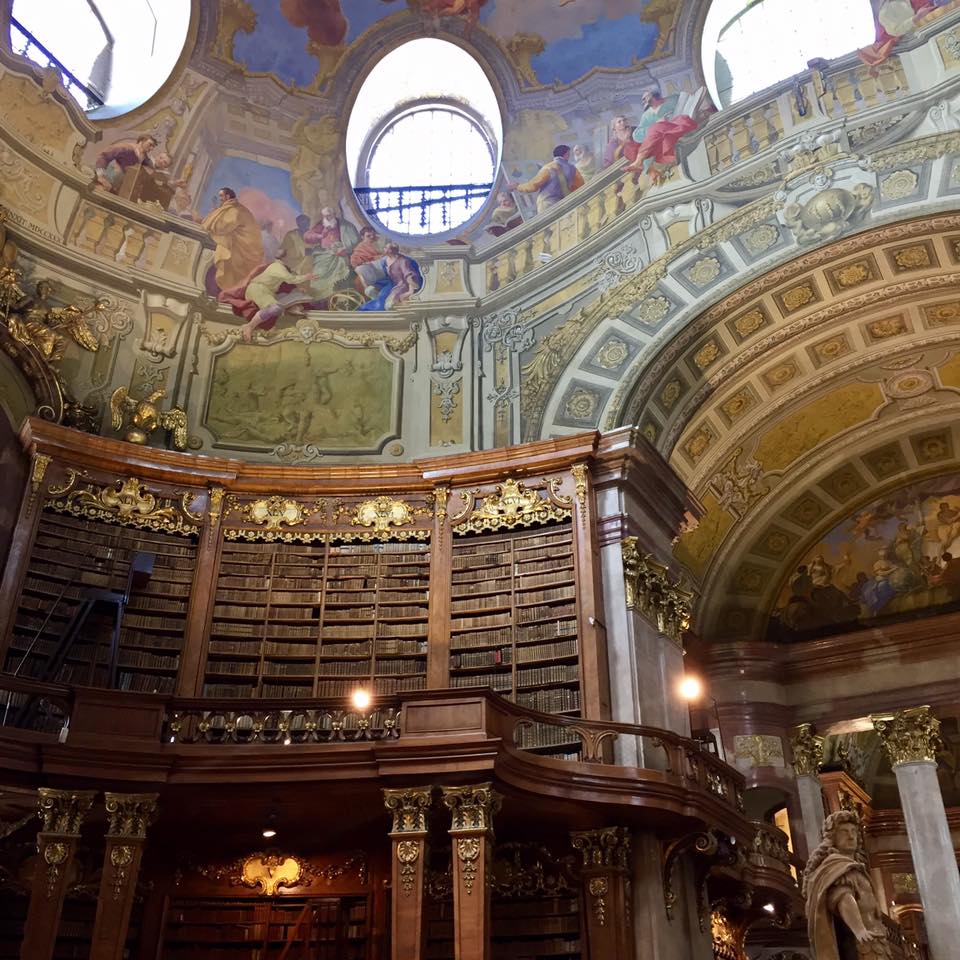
[(556, 42)]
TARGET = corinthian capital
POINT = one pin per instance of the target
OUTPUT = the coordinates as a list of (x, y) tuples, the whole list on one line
[(130, 813), (409, 806), (807, 749), (472, 808), (909, 736), (608, 847), (62, 811)]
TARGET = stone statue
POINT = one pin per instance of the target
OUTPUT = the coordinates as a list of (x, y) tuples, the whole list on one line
[(844, 921)]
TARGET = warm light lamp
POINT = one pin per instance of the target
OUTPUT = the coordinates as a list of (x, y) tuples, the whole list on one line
[(360, 699), (691, 688), (270, 827)]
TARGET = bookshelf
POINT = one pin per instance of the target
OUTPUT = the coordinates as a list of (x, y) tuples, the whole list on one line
[(293, 620), (513, 624), (72, 557), (330, 928)]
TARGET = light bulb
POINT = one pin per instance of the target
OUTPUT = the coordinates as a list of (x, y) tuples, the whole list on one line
[(691, 688), (360, 699)]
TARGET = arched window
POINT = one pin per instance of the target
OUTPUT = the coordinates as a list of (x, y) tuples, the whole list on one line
[(749, 45), (113, 55), (423, 140)]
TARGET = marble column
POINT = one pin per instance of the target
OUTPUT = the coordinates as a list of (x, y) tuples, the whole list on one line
[(61, 812), (606, 891), (911, 738), (410, 808), (807, 751), (128, 815), (471, 834)]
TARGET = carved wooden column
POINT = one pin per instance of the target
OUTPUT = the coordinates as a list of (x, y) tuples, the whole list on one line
[(61, 813), (129, 815), (606, 891), (911, 739), (21, 546), (410, 809), (190, 675), (471, 834), (807, 750)]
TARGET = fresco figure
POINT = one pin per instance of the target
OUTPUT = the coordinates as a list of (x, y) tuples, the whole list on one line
[(554, 181), (585, 161), (364, 261), (330, 241), (896, 19), (265, 294), (843, 914), (401, 280), (294, 247), (506, 215), (113, 162), (466, 10), (237, 235), (948, 525), (622, 143), (663, 122)]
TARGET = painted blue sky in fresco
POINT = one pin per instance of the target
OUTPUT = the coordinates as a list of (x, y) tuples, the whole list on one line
[(579, 36), (238, 172)]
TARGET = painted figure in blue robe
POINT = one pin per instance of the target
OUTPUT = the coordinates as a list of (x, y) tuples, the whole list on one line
[(398, 279)]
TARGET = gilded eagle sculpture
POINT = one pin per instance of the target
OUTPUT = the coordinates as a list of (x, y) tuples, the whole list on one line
[(144, 416)]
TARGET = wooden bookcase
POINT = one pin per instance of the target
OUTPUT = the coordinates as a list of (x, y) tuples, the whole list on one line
[(513, 623), (326, 928), (72, 556), (302, 620)]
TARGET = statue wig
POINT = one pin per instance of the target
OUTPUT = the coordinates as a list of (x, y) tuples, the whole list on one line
[(827, 844)]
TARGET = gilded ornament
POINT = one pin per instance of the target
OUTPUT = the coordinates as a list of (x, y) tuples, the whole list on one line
[(807, 750), (781, 375), (738, 405), (828, 350), (441, 496), (943, 314), (706, 354), (598, 888), (606, 847), (38, 471), (699, 443), (275, 512), (121, 856), (909, 736), (670, 394), (128, 501), (757, 750), (579, 473), (468, 852), (827, 214), (704, 271), (649, 591), (381, 514), (898, 185), (408, 853), (912, 258), (749, 322), (582, 404), (652, 310), (54, 855), (143, 417), (798, 297), (129, 814), (851, 275), (270, 871), (613, 354), (887, 327), (472, 808), (761, 238), (512, 505), (409, 806)]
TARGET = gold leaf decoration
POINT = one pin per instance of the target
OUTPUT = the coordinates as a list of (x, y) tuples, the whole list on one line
[(513, 505), (275, 512), (381, 514)]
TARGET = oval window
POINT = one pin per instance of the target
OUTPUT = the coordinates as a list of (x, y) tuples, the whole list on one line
[(423, 140), (749, 46), (113, 55)]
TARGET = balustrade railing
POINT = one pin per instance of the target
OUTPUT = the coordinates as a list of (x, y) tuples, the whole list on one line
[(38, 707)]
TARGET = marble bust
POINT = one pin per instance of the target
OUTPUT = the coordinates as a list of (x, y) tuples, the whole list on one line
[(844, 920)]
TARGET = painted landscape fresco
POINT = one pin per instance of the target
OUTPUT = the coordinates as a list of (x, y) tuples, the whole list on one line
[(895, 558)]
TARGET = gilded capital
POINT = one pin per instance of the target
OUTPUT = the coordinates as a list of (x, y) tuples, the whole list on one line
[(409, 807), (472, 808), (130, 814), (63, 811), (909, 736), (649, 591), (609, 847), (807, 749)]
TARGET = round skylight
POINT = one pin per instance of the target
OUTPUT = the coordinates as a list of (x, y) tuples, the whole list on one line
[(749, 47), (424, 139), (113, 55)]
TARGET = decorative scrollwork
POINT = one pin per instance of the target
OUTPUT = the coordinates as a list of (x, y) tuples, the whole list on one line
[(408, 853), (468, 852), (599, 888), (649, 590), (513, 505), (381, 514), (409, 806), (63, 811), (128, 502), (130, 814), (909, 736), (275, 512), (40, 463), (807, 749), (121, 856)]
